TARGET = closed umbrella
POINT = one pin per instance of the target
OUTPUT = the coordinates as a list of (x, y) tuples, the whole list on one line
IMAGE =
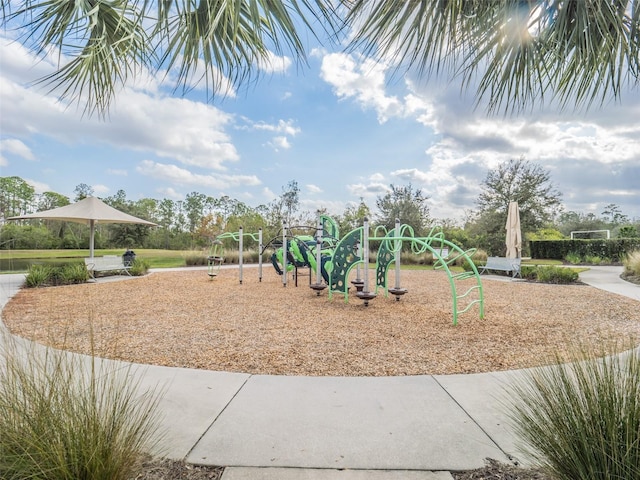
[(514, 233), (91, 211)]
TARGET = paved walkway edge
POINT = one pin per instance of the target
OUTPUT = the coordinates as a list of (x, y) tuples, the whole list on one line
[(343, 428)]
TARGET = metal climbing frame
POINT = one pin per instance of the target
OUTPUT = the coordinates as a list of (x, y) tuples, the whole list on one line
[(215, 259), (391, 247), (239, 237)]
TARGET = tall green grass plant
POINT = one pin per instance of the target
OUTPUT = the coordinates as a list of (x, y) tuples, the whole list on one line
[(70, 417), (581, 420), (632, 263)]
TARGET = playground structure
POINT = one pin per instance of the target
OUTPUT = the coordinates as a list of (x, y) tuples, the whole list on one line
[(215, 259), (332, 259)]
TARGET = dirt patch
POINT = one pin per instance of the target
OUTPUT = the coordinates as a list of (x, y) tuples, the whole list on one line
[(631, 278), (184, 319), (176, 470), (495, 470)]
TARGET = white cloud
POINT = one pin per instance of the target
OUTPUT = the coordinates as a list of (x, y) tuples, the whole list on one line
[(364, 80), (100, 189), (411, 175), (39, 187), (170, 193), (313, 188), (285, 127), (368, 190), (333, 207), (16, 147), (272, 63), (183, 177), (190, 132), (268, 194), (278, 143)]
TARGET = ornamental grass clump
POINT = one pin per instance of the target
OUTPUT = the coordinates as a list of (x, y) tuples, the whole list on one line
[(67, 417), (581, 420), (139, 267), (632, 263)]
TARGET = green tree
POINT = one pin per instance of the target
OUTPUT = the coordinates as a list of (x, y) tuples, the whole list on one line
[(16, 197), (194, 206), (628, 231), (146, 208), (51, 200), (522, 52), (520, 181), (353, 216), (119, 201), (614, 214), (573, 221), (526, 183), (82, 191), (405, 203), (283, 208)]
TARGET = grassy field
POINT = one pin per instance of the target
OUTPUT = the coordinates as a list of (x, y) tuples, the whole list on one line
[(18, 260)]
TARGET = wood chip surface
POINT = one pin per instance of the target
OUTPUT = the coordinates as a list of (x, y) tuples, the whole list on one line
[(184, 319)]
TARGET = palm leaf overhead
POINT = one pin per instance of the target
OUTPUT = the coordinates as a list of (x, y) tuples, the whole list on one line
[(575, 52), (98, 44), (104, 43), (518, 53)]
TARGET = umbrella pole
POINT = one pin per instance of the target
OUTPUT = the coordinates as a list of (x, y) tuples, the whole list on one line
[(92, 228)]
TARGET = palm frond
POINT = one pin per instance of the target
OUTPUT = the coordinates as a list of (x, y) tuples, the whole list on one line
[(226, 39), (99, 46), (575, 52), (103, 43)]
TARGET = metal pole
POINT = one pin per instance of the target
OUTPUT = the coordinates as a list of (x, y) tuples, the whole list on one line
[(365, 250), (284, 254), (260, 247), (397, 246), (318, 252), (240, 254), (92, 233)]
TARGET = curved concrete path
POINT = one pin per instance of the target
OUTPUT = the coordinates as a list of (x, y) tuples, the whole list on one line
[(348, 428)]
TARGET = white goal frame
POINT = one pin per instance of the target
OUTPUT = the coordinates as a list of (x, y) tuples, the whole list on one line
[(608, 232)]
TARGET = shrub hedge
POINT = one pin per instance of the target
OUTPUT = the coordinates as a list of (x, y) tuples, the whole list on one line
[(615, 248)]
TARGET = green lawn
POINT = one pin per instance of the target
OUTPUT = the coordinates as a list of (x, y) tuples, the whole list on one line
[(18, 260)]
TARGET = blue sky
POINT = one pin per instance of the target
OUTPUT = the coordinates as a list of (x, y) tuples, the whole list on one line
[(343, 127)]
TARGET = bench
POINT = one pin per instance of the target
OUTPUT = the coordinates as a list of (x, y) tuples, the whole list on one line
[(503, 264), (443, 252), (108, 263)]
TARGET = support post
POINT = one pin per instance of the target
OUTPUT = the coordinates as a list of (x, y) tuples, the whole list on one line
[(365, 294), (397, 249), (240, 248), (284, 254), (318, 286), (260, 247)]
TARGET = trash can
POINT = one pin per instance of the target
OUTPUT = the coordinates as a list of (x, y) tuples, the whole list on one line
[(128, 258)]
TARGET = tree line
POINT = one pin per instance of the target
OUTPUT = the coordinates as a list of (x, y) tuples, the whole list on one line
[(194, 222)]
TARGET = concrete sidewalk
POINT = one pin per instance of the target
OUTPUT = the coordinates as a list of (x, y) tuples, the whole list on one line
[(346, 428)]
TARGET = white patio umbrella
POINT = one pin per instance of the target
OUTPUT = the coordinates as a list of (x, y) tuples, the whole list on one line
[(514, 233), (90, 210)]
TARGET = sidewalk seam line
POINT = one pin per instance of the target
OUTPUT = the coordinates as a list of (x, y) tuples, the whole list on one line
[(206, 430), (510, 457)]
